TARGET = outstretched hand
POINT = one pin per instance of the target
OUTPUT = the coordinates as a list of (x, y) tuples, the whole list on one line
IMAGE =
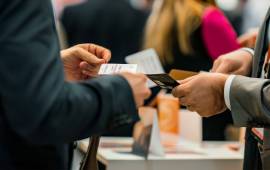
[(83, 61)]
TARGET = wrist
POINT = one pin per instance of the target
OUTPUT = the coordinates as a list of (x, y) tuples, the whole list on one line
[(248, 50), (223, 80)]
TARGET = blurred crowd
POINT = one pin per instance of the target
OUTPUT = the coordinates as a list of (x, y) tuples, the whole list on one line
[(186, 37), (120, 25)]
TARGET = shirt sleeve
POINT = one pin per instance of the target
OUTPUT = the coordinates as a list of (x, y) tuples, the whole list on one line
[(229, 81), (227, 89), (218, 35)]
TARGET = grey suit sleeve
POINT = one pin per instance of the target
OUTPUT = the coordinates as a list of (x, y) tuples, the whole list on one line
[(250, 101), (35, 101)]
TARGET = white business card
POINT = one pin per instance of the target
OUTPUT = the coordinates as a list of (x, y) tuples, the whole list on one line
[(148, 63), (107, 69), (147, 60)]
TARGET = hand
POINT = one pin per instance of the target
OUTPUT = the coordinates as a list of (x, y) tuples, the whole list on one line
[(139, 87), (203, 93), (249, 39), (83, 61), (238, 62)]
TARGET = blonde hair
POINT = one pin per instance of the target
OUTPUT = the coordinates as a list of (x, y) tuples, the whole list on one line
[(182, 15)]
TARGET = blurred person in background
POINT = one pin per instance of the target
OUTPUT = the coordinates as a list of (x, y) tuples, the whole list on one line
[(190, 35), (47, 99), (117, 25), (241, 84), (59, 5)]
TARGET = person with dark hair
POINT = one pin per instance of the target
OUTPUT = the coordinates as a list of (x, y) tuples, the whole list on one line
[(117, 25)]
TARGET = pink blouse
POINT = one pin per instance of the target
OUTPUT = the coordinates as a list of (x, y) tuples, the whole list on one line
[(217, 33)]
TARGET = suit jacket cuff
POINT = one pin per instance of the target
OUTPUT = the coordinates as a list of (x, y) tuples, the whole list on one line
[(119, 104), (125, 111), (246, 99)]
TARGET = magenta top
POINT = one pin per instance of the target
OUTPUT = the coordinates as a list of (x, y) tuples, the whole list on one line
[(217, 33)]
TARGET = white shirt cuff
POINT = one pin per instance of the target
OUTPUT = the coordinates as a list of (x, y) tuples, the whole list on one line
[(249, 50), (227, 89)]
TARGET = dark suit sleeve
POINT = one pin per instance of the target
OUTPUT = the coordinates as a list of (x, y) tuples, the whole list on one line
[(37, 103)]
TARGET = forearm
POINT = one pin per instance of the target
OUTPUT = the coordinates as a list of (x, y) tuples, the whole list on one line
[(65, 112), (37, 103)]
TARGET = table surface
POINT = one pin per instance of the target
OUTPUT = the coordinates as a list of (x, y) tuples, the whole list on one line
[(119, 149)]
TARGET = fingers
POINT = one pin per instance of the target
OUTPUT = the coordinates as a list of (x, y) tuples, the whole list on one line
[(88, 70), (191, 108), (243, 39), (145, 94), (221, 65), (101, 52), (147, 91), (223, 68), (89, 67), (97, 50), (138, 84), (186, 101), (85, 66), (216, 65), (183, 89), (180, 91), (88, 57), (248, 39)]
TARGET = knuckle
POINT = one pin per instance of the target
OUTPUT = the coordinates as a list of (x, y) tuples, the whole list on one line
[(217, 61), (77, 50), (226, 61)]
